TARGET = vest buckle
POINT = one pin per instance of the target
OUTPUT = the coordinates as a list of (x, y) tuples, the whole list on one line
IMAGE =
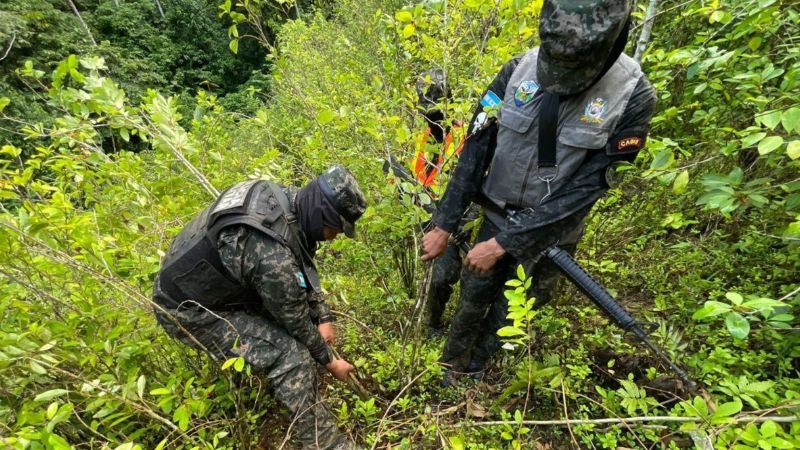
[(547, 174)]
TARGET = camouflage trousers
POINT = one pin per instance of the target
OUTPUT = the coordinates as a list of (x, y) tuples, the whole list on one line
[(483, 308), (445, 273), (272, 353)]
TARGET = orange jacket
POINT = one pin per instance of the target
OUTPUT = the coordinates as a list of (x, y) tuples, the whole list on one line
[(427, 170)]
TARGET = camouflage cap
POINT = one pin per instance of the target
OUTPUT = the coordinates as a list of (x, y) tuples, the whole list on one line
[(432, 86), (577, 38), (342, 191)]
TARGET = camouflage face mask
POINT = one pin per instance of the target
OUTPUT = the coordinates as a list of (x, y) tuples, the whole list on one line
[(577, 40)]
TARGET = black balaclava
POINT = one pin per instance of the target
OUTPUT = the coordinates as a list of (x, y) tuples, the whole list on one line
[(435, 119), (314, 212)]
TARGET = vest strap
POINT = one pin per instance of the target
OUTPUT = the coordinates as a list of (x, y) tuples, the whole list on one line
[(548, 129)]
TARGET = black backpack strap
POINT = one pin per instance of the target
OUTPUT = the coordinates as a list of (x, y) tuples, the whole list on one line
[(548, 129)]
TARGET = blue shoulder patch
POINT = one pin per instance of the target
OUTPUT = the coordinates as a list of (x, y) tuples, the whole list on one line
[(301, 279), (490, 100)]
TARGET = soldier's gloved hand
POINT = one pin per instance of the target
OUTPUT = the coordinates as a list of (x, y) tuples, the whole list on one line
[(327, 332), (434, 243), (339, 368)]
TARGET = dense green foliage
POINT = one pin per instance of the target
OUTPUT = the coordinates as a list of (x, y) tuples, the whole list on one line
[(177, 46), (701, 239)]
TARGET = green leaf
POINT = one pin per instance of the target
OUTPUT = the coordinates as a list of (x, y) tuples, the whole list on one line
[(711, 309), (509, 332), (754, 43), (37, 368), (325, 116), (408, 30), (700, 406), (52, 410), (770, 119), (793, 149), (239, 364), (768, 429), (162, 391), (737, 325), (140, 386), (520, 272), (403, 16), (49, 395), (728, 409), (662, 160), (735, 298), (229, 362), (680, 183), (234, 45), (790, 119), (181, 415), (752, 139), (768, 145), (456, 443), (4, 101)]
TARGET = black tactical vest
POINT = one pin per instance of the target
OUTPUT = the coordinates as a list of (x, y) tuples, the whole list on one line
[(192, 269)]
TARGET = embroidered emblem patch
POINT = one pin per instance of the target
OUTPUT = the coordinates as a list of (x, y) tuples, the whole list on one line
[(594, 111), (525, 92), (629, 142), (490, 100), (480, 122), (301, 280)]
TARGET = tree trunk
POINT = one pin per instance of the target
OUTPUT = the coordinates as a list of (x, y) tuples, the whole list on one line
[(83, 24), (647, 27)]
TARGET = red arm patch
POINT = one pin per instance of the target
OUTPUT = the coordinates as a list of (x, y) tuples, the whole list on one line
[(625, 144)]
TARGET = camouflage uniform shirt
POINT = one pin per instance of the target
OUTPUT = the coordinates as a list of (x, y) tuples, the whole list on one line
[(259, 262)]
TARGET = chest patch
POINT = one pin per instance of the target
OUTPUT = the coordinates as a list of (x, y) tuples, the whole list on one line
[(595, 111), (301, 279), (525, 92)]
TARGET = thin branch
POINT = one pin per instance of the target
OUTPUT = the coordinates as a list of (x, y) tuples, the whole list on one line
[(647, 27), (623, 420), (83, 24), (11, 44)]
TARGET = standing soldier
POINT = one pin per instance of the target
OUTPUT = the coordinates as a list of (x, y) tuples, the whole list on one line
[(240, 281), (433, 152), (569, 111)]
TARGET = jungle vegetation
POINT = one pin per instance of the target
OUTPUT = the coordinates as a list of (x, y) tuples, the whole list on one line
[(120, 119)]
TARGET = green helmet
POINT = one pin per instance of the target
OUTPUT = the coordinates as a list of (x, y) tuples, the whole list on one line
[(578, 40), (341, 189)]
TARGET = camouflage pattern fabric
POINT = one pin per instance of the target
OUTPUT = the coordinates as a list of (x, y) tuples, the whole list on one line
[(342, 191), (278, 338), (546, 277), (446, 272), (272, 353), (577, 36), (480, 293)]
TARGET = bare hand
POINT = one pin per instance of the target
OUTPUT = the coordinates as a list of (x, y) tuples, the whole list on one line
[(483, 256), (327, 332), (340, 368), (434, 243)]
